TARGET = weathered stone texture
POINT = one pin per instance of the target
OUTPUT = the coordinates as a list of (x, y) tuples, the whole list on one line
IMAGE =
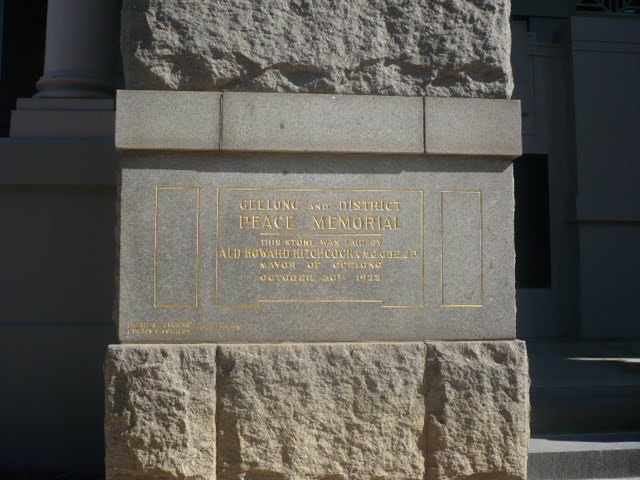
[(160, 412), (477, 410), (317, 411), (340, 411), (454, 48)]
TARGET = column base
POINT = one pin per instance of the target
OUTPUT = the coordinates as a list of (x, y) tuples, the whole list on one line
[(66, 84)]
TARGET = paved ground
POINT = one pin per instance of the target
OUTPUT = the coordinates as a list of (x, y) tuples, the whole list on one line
[(584, 386)]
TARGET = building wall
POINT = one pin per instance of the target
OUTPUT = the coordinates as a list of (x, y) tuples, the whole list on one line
[(605, 57), (58, 207), (577, 78)]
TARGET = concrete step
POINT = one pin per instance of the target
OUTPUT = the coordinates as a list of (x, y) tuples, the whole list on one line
[(584, 386), (587, 456)]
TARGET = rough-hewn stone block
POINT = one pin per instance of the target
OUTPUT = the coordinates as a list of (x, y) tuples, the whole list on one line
[(341, 411), (440, 410), (477, 410), (160, 406), (437, 48)]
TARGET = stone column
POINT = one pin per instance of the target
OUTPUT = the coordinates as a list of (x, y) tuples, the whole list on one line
[(80, 50)]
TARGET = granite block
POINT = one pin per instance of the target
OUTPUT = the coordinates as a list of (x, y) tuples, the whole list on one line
[(436, 410), (477, 408), (176, 247), (447, 48), (465, 126), (151, 120), (343, 411), (160, 407), (269, 247), (320, 123), (461, 218), (244, 121)]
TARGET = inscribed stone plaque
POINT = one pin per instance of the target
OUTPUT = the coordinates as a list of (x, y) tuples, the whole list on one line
[(315, 247), (319, 245)]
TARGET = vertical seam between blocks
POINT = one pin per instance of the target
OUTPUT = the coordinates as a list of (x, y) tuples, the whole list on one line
[(424, 124), (216, 416), (426, 410), (220, 136)]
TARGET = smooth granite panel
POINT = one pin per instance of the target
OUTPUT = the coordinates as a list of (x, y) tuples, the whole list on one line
[(468, 126), (150, 120), (318, 247), (176, 247), (462, 224), (275, 122), (321, 123)]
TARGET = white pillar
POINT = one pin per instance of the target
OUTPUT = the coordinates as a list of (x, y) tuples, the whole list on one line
[(81, 48)]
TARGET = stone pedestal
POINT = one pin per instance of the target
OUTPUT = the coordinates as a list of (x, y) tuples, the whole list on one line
[(347, 258), (434, 410)]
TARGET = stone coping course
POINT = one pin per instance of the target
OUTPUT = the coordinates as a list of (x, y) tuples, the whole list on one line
[(277, 122)]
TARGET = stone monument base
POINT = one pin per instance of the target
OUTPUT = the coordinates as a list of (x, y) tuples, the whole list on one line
[(436, 410)]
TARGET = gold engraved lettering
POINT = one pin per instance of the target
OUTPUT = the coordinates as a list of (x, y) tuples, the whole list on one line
[(278, 265), (267, 222), (334, 278), (269, 205), (329, 242), (370, 205), (230, 253), (341, 222), (369, 277), (300, 242), (172, 328), (356, 265), (353, 244), (269, 242), (213, 328), (277, 277), (159, 328), (267, 253)]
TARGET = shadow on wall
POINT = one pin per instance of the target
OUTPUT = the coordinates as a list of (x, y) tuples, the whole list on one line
[(57, 280)]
